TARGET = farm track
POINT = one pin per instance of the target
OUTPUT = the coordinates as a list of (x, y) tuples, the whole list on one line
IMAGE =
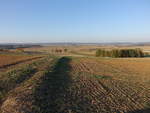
[(40, 92), (20, 99), (68, 85), (10, 80)]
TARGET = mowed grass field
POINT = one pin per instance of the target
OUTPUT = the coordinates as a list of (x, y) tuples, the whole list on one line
[(61, 84)]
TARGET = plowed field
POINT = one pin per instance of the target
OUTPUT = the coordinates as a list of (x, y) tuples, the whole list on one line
[(77, 85)]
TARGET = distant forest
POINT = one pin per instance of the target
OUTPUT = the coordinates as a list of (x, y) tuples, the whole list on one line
[(118, 53)]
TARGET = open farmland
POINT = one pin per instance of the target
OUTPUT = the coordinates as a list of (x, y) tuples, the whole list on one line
[(55, 84), (115, 85), (84, 50), (74, 56)]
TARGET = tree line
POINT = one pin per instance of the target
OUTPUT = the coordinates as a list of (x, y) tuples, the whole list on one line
[(116, 53), (59, 50)]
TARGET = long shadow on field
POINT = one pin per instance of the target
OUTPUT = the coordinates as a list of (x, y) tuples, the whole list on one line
[(49, 96)]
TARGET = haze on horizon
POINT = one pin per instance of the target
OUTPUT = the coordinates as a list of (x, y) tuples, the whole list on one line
[(74, 21)]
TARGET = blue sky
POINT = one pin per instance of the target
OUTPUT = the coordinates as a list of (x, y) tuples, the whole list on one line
[(74, 20)]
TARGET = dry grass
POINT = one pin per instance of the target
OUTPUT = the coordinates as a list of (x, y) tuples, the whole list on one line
[(83, 85), (10, 59), (21, 98), (120, 85)]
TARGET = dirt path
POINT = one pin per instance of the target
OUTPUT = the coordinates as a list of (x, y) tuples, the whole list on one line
[(13, 78)]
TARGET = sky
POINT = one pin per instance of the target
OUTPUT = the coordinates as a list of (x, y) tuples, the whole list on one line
[(32, 21)]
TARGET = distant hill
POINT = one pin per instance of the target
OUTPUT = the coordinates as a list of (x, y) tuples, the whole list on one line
[(14, 46), (113, 43), (29, 45)]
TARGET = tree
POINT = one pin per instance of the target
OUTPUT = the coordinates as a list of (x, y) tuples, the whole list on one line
[(20, 50), (120, 53), (65, 50)]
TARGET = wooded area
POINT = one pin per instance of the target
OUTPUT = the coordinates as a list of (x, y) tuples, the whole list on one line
[(120, 53)]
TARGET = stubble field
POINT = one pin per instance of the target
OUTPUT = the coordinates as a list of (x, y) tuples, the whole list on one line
[(62, 84)]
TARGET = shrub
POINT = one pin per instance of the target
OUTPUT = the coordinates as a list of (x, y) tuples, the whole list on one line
[(65, 50)]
